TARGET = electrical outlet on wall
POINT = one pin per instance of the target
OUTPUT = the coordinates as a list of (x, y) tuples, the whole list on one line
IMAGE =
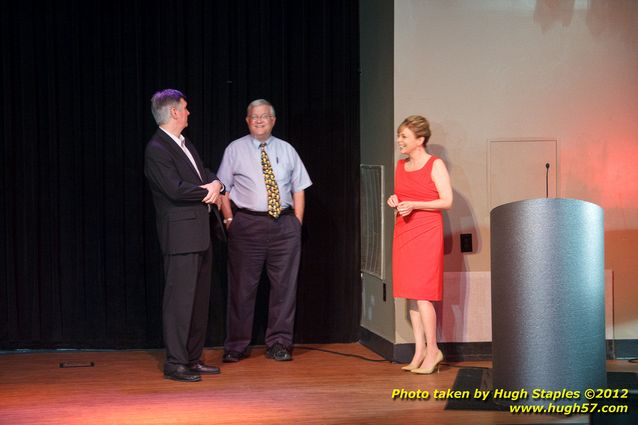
[(466, 242)]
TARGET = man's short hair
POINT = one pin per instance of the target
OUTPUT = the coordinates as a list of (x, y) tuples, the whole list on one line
[(162, 102)]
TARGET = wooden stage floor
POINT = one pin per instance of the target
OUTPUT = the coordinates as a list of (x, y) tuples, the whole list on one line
[(317, 387)]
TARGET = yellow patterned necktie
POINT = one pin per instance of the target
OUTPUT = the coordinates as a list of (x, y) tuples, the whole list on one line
[(274, 203)]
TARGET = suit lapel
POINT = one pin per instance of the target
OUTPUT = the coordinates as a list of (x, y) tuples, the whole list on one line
[(198, 160)]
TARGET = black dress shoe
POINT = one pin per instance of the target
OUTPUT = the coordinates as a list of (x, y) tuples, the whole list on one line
[(233, 356), (182, 374), (279, 352), (200, 368)]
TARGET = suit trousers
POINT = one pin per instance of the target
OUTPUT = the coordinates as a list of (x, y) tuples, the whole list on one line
[(255, 242), (185, 309)]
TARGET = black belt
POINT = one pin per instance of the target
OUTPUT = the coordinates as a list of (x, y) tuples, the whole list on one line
[(285, 211)]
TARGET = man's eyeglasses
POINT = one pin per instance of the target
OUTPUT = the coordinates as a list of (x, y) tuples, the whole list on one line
[(262, 117)]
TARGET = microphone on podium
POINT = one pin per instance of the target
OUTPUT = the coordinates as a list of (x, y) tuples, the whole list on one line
[(547, 180)]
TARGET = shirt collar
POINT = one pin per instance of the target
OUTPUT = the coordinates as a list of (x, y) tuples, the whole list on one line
[(257, 143), (179, 140)]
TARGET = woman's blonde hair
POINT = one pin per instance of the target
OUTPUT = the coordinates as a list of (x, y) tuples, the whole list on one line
[(419, 126)]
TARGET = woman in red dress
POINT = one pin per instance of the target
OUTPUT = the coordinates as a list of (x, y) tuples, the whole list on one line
[(422, 190)]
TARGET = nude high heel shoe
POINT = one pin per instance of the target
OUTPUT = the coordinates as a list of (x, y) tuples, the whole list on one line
[(429, 370), (408, 368), (411, 367)]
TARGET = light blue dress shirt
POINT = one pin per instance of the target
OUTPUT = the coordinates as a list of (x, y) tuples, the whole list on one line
[(242, 174)]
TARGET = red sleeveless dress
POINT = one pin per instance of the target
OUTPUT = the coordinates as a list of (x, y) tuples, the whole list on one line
[(417, 249)]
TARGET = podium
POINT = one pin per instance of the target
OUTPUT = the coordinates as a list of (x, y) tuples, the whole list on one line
[(548, 307)]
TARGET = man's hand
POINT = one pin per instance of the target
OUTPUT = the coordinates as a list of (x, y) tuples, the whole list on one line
[(213, 189)]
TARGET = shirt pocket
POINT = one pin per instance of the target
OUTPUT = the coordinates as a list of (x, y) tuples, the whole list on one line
[(282, 166)]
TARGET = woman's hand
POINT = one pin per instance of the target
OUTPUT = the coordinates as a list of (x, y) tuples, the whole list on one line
[(393, 201), (405, 208)]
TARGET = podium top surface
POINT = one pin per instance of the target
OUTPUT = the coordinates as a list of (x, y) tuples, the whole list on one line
[(525, 204)]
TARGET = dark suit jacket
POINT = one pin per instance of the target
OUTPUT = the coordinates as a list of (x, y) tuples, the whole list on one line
[(183, 224)]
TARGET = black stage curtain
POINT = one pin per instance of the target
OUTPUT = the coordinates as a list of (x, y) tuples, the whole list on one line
[(79, 260)]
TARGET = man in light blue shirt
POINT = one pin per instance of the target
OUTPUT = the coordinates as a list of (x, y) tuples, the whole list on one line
[(264, 229)]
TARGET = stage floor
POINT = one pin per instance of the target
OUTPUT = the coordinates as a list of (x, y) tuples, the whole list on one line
[(127, 387)]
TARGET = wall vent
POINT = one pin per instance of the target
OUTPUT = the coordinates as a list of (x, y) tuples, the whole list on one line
[(372, 223)]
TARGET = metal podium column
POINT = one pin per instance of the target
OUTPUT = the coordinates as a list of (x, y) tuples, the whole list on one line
[(548, 308)]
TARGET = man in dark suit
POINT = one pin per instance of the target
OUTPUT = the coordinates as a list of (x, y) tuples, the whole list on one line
[(183, 193)]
